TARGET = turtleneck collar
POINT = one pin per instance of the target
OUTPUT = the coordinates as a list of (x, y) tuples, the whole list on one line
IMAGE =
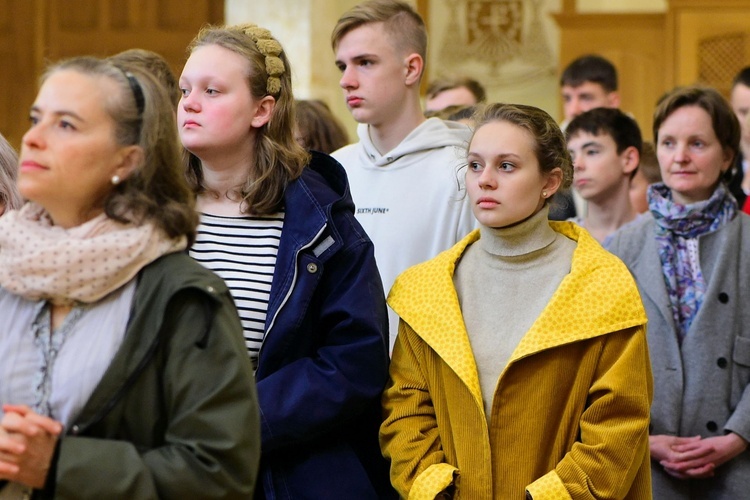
[(523, 238)]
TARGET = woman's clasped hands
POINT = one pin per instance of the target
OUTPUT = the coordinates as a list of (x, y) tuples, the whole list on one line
[(695, 457), (27, 445)]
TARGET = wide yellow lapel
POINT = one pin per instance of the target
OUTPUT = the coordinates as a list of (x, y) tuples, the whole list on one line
[(598, 296), (424, 297)]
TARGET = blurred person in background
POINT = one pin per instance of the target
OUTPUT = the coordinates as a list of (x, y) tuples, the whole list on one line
[(10, 198), (317, 128)]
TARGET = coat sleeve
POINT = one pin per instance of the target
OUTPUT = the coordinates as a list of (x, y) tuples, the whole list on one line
[(344, 375), (739, 422), (409, 435), (613, 444), (212, 440)]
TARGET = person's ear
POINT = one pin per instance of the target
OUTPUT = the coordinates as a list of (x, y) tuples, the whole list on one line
[(727, 160), (263, 112), (130, 158), (553, 182), (413, 65), (630, 159), (614, 99)]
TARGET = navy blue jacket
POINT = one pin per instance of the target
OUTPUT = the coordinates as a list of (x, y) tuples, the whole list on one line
[(324, 361)]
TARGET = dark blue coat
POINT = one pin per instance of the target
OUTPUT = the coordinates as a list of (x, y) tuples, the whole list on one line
[(324, 361)]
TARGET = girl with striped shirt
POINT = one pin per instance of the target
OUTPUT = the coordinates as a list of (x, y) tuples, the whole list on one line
[(277, 223)]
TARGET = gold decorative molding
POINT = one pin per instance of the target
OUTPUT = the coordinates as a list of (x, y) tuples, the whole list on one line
[(505, 39)]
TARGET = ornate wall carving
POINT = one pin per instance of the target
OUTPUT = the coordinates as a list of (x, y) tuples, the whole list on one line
[(508, 45)]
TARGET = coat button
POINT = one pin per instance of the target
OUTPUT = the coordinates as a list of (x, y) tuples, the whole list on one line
[(722, 362), (312, 268), (723, 298), (210, 289), (711, 426)]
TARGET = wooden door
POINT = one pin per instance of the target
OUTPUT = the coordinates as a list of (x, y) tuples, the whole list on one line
[(18, 65), (33, 33)]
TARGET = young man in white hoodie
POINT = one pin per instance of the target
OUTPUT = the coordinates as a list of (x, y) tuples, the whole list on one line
[(405, 172)]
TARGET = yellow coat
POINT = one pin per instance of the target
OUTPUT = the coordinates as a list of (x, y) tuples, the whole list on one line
[(571, 410)]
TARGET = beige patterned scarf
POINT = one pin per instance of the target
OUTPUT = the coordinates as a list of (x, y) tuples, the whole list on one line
[(40, 261)]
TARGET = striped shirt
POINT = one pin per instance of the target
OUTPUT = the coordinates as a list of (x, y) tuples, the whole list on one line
[(242, 250)]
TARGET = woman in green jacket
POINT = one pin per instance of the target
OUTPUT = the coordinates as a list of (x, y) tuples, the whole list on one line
[(123, 372)]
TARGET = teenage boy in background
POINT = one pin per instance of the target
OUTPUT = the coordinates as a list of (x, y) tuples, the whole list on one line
[(586, 83), (605, 145)]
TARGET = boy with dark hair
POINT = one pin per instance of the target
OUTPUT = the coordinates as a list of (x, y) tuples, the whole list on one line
[(404, 172), (586, 83), (605, 145)]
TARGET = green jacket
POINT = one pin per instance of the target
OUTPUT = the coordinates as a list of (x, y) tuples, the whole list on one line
[(175, 414)]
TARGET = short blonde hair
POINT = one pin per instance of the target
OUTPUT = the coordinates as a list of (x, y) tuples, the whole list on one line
[(402, 24), (9, 196)]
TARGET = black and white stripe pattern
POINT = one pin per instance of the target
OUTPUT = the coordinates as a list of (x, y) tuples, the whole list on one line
[(242, 250)]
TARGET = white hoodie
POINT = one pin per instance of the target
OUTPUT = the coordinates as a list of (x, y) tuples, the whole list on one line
[(411, 200)]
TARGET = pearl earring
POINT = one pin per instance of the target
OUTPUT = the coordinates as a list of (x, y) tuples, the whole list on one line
[(544, 194), (115, 179)]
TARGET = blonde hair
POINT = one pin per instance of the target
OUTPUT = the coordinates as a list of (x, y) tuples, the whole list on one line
[(142, 112), (9, 195), (279, 159), (402, 24)]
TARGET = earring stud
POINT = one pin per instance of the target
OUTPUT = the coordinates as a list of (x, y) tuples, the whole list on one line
[(544, 194), (115, 179)]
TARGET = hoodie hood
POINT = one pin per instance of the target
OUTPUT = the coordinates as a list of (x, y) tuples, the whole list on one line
[(433, 133)]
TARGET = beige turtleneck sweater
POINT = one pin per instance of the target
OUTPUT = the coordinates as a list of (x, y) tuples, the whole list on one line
[(504, 282)]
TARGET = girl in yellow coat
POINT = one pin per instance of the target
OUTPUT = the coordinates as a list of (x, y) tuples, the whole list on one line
[(521, 365)]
